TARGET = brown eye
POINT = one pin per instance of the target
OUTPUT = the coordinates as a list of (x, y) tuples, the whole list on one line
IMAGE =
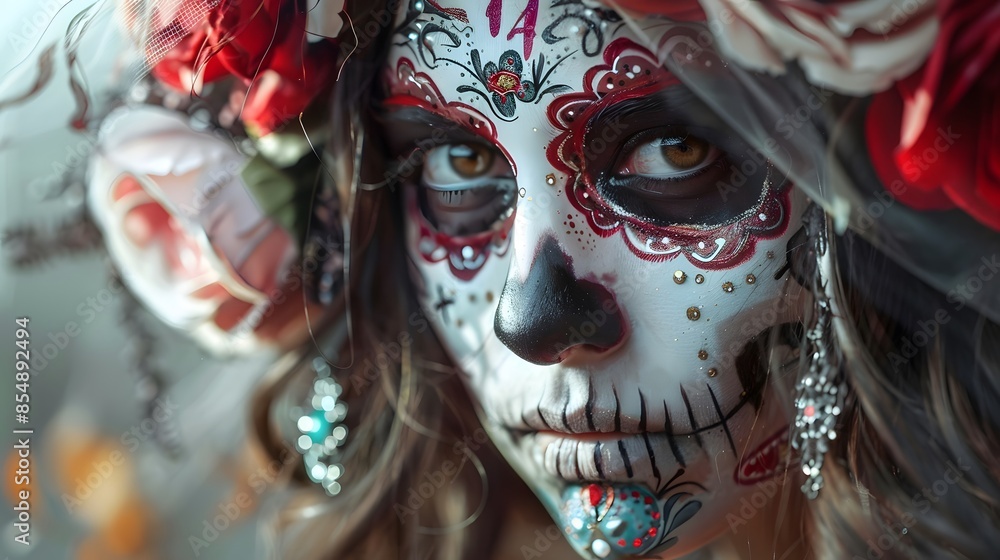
[(466, 188), (670, 176), (470, 160), (686, 153), (669, 157)]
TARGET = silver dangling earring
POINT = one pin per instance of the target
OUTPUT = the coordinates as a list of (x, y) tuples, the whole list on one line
[(820, 390), (321, 429)]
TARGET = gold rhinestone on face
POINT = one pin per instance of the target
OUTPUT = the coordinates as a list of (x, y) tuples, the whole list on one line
[(770, 254), (699, 279), (550, 179), (702, 354), (506, 83), (680, 277), (728, 287), (751, 279), (712, 372), (694, 313)]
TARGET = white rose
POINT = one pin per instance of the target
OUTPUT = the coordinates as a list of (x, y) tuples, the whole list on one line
[(855, 47), (190, 240)]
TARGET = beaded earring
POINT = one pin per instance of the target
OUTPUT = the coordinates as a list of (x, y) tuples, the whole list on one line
[(821, 388), (321, 428)]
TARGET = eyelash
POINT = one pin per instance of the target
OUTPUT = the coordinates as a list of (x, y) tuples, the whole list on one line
[(450, 194)]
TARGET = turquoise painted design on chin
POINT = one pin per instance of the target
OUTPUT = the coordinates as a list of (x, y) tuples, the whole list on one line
[(620, 521)]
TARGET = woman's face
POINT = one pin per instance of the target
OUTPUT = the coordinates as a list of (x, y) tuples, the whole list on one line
[(602, 257)]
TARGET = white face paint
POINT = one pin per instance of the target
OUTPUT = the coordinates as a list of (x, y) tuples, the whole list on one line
[(602, 258)]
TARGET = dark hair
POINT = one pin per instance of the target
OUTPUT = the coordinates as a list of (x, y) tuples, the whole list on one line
[(912, 476), (908, 424), (909, 475)]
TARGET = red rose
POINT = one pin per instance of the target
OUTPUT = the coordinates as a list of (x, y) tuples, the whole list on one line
[(934, 138), (263, 44)]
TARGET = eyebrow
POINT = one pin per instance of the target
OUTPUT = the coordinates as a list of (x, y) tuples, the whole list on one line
[(406, 127), (409, 118), (675, 100), (408, 110)]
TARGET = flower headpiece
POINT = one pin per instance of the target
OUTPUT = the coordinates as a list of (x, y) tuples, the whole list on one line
[(206, 227), (926, 69), (933, 66), (279, 64)]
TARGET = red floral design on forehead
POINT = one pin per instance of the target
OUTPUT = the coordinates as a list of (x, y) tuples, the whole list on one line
[(631, 71)]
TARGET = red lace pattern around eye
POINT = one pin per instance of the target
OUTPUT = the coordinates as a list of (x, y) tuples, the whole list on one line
[(631, 72), (465, 255)]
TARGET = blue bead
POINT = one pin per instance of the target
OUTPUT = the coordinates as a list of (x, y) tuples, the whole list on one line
[(320, 426)]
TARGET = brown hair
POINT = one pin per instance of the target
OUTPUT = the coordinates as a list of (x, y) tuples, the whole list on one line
[(405, 418), (908, 424)]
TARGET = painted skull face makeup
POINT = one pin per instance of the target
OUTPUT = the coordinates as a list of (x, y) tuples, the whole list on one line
[(603, 258)]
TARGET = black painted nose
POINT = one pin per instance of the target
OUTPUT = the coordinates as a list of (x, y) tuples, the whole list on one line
[(553, 311)]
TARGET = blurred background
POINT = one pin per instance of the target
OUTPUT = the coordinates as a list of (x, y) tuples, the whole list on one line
[(113, 472)]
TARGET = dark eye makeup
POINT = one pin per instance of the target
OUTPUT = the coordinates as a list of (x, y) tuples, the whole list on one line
[(668, 161), (464, 185), (466, 188), (679, 164)]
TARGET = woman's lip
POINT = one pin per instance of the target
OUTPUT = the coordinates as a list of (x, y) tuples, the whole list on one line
[(589, 436), (605, 456)]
